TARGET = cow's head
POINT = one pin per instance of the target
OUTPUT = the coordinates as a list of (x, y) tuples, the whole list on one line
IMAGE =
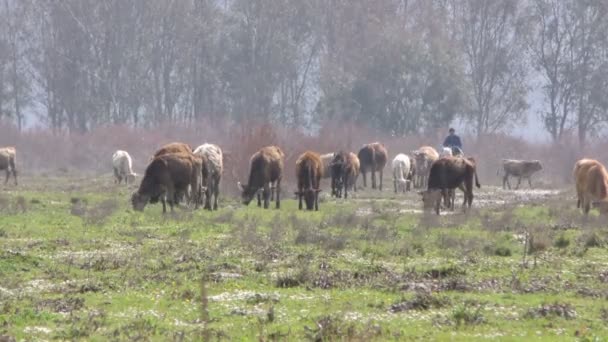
[(139, 201), (309, 197), (247, 192), (536, 165), (131, 177), (431, 199)]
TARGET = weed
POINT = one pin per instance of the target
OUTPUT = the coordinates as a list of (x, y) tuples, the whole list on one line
[(563, 310), (468, 314), (422, 301), (562, 242)]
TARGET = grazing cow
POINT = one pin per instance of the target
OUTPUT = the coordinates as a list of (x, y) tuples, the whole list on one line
[(446, 152), (344, 173), (591, 180), (213, 168), (309, 171), (8, 155), (123, 167), (266, 168), (372, 158), (167, 175), (401, 172), (520, 169), (449, 173), (451, 193), (326, 160), (424, 156), (174, 147)]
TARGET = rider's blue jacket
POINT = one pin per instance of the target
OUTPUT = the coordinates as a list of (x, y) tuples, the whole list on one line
[(452, 140)]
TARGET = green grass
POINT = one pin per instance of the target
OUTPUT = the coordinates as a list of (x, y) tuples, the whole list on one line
[(76, 263)]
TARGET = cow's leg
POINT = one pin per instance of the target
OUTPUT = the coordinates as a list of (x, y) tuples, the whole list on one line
[(505, 181), (272, 190), (259, 194), (300, 199), (364, 179), (316, 200), (381, 177), (8, 175), (530, 182), (116, 177), (217, 193), (518, 183), (345, 186), (277, 189), (15, 175)]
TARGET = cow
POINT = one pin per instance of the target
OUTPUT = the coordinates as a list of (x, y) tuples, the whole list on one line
[(591, 180), (373, 157), (451, 193), (520, 169), (266, 168), (167, 175), (326, 160), (8, 155), (337, 172), (174, 147), (401, 171), (213, 167), (123, 167), (424, 156), (449, 173), (309, 170)]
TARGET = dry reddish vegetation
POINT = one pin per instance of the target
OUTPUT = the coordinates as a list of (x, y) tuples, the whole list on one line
[(42, 151)]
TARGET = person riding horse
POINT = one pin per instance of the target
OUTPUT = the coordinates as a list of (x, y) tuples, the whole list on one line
[(453, 141)]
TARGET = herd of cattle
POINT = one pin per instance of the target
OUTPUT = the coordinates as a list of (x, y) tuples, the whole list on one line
[(177, 172)]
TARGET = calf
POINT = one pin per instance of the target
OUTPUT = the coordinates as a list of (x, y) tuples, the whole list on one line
[(165, 176), (520, 169), (401, 172), (8, 156), (372, 158), (213, 167), (266, 168), (309, 171), (449, 173), (424, 157), (591, 185), (123, 167)]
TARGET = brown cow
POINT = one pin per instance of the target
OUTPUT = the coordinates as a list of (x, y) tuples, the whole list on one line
[(373, 158), (449, 173), (7, 162), (451, 193), (174, 147), (327, 159), (266, 168), (167, 175), (591, 180), (309, 170), (520, 169), (344, 172), (424, 158)]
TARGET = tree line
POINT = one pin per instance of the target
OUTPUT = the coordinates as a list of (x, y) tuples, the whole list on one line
[(403, 66)]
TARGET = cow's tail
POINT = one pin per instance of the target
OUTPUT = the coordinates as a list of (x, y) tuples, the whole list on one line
[(477, 180)]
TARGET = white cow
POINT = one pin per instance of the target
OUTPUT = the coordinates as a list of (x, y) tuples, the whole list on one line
[(401, 170), (326, 160), (214, 167), (123, 167)]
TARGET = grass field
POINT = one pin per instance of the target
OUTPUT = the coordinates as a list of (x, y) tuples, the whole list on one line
[(76, 263)]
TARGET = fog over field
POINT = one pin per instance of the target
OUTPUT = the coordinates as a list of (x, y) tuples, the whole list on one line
[(91, 91)]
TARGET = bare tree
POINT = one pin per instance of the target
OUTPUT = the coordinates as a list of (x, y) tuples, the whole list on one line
[(490, 34)]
